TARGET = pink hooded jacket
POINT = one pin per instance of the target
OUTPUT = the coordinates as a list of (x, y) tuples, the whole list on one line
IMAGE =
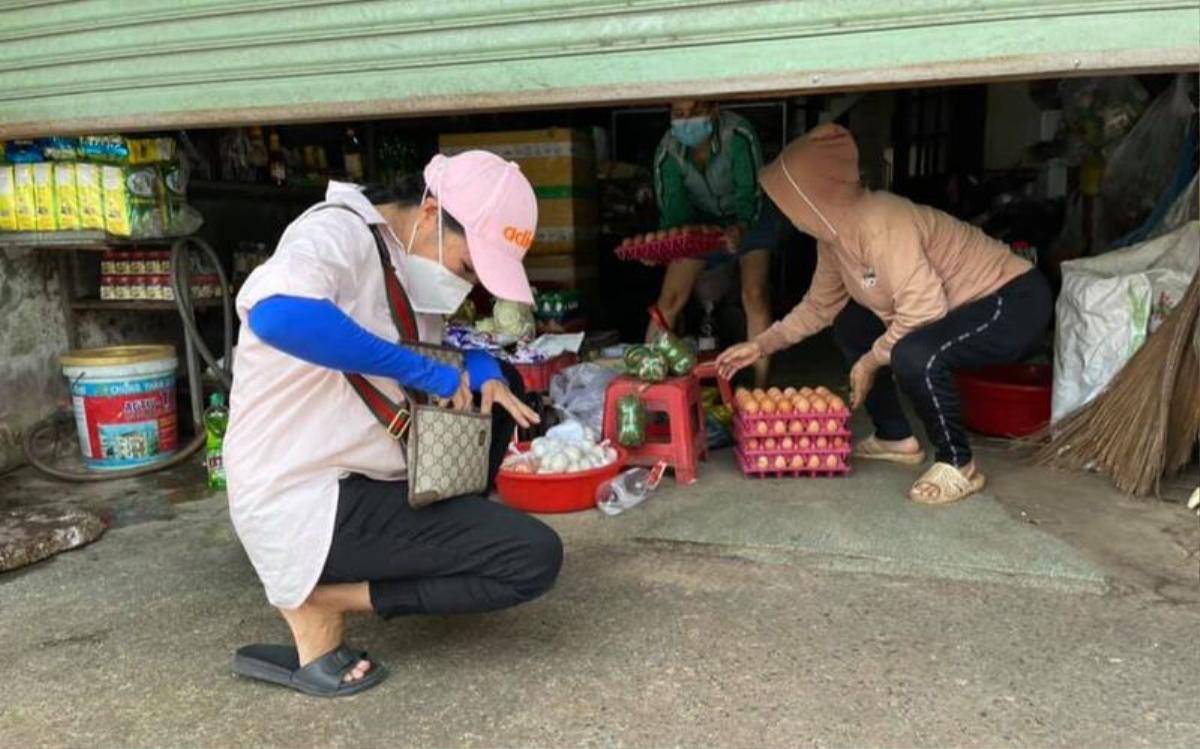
[(907, 263)]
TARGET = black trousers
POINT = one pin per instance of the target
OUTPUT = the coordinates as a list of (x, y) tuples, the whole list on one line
[(458, 556), (1000, 328)]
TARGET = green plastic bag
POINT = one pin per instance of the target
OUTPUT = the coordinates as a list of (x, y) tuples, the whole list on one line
[(631, 421)]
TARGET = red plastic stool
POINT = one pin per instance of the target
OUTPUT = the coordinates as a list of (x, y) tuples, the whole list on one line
[(679, 399)]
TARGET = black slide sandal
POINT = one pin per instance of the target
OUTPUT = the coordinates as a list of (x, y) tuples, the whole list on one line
[(280, 664)]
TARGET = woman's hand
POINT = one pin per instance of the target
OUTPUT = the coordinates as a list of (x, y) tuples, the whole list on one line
[(862, 379), (497, 392), (738, 357), (462, 399)]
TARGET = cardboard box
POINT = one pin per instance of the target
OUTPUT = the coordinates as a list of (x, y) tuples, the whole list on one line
[(555, 157), (569, 270), (560, 163)]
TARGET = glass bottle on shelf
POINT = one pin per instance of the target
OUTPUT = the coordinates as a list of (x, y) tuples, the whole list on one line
[(352, 154), (278, 163), (256, 155)]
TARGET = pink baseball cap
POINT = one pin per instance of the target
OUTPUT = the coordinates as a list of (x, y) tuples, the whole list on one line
[(495, 203)]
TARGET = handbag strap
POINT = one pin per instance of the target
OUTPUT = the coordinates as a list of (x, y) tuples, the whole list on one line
[(394, 417)]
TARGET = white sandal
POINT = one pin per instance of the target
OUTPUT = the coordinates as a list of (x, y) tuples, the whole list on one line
[(872, 449), (951, 485)]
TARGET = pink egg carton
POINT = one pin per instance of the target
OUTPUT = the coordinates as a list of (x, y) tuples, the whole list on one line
[(759, 448), (750, 468), (748, 426), (687, 244)]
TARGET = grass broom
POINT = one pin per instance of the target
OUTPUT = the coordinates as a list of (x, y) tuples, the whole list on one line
[(1143, 426)]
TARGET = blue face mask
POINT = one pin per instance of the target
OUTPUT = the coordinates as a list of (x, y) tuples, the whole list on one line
[(692, 131)]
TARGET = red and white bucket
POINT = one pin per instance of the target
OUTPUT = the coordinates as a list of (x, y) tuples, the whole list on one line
[(124, 401)]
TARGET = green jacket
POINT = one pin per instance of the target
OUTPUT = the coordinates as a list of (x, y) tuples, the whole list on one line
[(725, 192)]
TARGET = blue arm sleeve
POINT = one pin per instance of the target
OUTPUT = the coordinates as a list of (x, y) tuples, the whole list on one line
[(316, 331), (482, 367)]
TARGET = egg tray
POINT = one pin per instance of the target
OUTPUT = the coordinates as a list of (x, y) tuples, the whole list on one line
[(744, 425), (746, 464), (679, 247)]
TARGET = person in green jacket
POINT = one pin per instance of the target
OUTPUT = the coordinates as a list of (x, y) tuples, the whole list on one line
[(706, 172)]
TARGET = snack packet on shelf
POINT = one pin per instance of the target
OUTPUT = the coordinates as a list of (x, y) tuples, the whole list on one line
[(116, 201), (8, 199), (24, 200), (43, 195), (91, 196), (66, 196)]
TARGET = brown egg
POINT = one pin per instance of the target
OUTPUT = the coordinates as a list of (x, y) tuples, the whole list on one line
[(796, 427), (767, 406), (831, 462), (797, 462), (814, 461), (814, 427), (741, 394), (822, 443), (836, 403), (751, 406), (758, 394), (779, 428), (761, 428), (839, 443), (787, 443), (803, 405), (784, 406), (763, 462), (769, 443), (804, 443), (823, 392), (752, 444), (833, 425), (819, 405), (807, 392), (774, 393), (789, 392), (781, 462)]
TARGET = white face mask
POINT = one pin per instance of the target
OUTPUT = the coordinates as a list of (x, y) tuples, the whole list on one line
[(432, 288)]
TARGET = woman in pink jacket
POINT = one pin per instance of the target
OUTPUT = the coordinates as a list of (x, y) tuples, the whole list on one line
[(912, 294)]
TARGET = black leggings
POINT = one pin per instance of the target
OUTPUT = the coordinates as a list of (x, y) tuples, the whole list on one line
[(458, 556), (1000, 328)]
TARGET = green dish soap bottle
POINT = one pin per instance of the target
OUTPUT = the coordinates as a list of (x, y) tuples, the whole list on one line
[(216, 418)]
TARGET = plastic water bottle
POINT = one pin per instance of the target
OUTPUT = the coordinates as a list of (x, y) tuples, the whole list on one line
[(628, 489), (216, 418)]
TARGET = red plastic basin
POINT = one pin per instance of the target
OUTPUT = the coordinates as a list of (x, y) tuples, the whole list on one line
[(1010, 400), (555, 492)]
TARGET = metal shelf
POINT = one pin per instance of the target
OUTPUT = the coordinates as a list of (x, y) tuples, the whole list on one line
[(88, 241), (130, 305)]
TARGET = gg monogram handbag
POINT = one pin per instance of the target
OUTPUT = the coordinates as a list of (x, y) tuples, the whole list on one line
[(447, 451)]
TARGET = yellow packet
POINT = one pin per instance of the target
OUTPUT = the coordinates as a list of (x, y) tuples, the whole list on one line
[(116, 201), (25, 200), (8, 199), (91, 200), (67, 196), (151, 150), (43, 193)]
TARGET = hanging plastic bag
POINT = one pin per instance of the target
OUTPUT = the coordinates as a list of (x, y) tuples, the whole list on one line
[(631, 421), (1143, 164), (578, 392)]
